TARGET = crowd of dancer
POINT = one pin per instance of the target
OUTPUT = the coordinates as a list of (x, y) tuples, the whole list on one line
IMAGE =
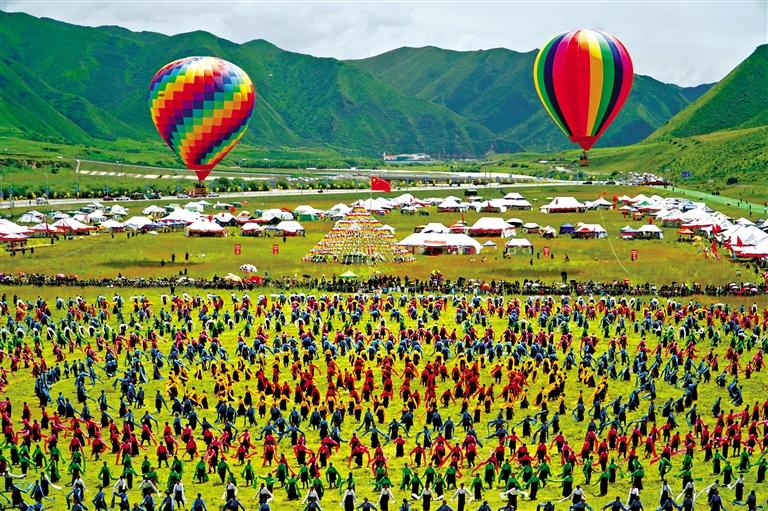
[(381, 401)]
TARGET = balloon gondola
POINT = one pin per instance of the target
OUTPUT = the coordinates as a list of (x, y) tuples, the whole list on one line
[(583, 78), (201, 107)]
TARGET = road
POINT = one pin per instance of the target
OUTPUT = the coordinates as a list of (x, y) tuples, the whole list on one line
[(312, 193)]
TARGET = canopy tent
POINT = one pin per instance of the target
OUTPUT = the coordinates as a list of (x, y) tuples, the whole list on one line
[(531, 228), (290, 228), (491, 227), (348, 275), (45, 230), (225, 218), (138, 222), (567, 229), (31, 217), (72, 226), (155, 211), (563, 205), (357, 239), (518, 246), (600, 203), (205, 227), (197, 207), (585, 231), (435, 227), (8, 227), (441, 243), (112, 225), (252, 229), (180, 216), (451, 205), (386, 227), (649, 231), (117, 210)]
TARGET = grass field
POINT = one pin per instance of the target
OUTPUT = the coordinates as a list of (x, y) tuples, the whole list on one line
[(754, 389), (602, 259)]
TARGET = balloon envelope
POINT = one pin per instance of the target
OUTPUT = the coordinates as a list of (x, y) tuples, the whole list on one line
[(583, 78), (201, 107)]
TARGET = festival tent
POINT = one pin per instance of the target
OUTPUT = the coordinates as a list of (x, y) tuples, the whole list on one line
[(548, 232), (306, 212), (649, 231), (563, 205), (275, 216), (756, 252), (95, 217), (71, 226), (459, 227), (225, 218), (205, 227), (585, 231), (567, 229), (531, 228), (435, 227), (348, 275), (744, 221), (490, 245), (31, 217), (519, 204), (154, 211), (13, 238), (518, 246), (513, 196), (117, 210), (491, 226), (252, 229), (112, 225), (138, 222), (223, 205), (515, 222), (339, 210), (491, 206), (45, 230), (600, 203), (451, 205), (180, 216), (356, 239), (441, 243), (243, 217), (197, 207), (290, 228)]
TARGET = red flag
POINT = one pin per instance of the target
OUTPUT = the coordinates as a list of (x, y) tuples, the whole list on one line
[(615, 200), (380, 185)]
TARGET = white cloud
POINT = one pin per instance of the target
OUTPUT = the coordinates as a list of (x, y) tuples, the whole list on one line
[(676, 41)]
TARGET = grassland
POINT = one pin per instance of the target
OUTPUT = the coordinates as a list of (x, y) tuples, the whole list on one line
[(604, 259)]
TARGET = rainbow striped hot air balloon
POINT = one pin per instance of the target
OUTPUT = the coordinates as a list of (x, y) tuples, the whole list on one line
[(201, 107), (583, 78)]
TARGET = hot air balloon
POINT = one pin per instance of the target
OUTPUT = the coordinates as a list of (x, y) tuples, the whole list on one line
[(201, 107), (583, 78)]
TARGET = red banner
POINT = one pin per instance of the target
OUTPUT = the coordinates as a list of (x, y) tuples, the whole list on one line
[(546, 251), (237, 249), (275, 249), (633, 254), (380, 185)]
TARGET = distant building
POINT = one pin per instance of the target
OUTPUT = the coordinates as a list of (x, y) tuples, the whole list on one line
[(407, 158)]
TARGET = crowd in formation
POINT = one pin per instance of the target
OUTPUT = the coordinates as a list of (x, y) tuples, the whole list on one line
[(380, 402)]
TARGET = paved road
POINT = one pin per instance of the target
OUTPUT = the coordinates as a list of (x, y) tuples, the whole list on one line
[(292, 193)]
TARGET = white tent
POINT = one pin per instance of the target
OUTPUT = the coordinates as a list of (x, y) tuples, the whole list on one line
[(563, 205), (290, 227), (435, 227), (491, 226), (205, 227), (513, 196), (137, 222), (180, 216), (451, 204), (111, 225), (449, 242), (153, 210), (197, 207), (519, 204), (494, 205), (589, 231), (8, 227), (650, 231), (31, 217), (386, 227), (600, 203), (118, 210), (224, 217), (271, 214), (252, 228), (71, 225), (95, 217)]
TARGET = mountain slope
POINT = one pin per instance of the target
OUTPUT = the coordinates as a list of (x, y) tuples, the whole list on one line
[(96, 79), (737, 101), (494, 88)]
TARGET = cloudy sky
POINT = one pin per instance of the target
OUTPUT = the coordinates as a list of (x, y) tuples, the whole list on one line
[(684, 42)]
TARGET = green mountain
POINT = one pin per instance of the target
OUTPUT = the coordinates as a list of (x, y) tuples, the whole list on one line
[(494, 88), (78, 84), (737, 101)]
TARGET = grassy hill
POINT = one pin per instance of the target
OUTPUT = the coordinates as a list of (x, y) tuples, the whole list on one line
[(737, 101), (494, 88), (90, 83)]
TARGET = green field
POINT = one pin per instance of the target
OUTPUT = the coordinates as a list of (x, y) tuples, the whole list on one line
[(20, 387), (660, 261)]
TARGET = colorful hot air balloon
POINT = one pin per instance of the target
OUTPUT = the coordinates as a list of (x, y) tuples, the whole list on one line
[(201, 107), (583, 78)]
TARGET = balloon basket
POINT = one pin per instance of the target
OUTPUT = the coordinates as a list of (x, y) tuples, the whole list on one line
[(584, 160)]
